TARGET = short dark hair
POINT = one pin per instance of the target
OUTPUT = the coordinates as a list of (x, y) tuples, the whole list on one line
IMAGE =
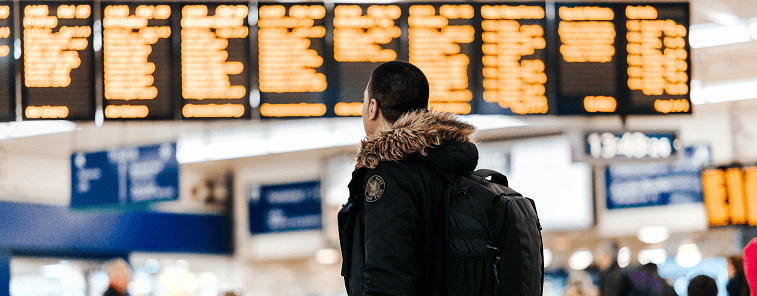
[(649, 268), (398, 87), (702, 285)]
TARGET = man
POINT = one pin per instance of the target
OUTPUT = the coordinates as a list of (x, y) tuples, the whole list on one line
[(702, 285), (612, 281), (737, 285), (390, 230), (119, 274), (646, 281)]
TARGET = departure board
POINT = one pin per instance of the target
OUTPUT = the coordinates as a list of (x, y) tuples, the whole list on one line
[(291, 49), (440, 41), (137, 61), (215, 71), (58, 60), (658, 59), (165, 60), (7, 64), (514, 48), (587, 60), (365, 36), (730, 195), (622, 58)]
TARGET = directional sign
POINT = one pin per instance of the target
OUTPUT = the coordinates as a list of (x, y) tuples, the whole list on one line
[(285, 207), (124, 176), (658, 184)]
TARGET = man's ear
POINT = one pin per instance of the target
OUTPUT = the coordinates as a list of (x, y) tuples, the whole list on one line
[(373, 110)]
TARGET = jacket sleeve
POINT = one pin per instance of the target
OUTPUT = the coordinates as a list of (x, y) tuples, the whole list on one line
[(391, 231)]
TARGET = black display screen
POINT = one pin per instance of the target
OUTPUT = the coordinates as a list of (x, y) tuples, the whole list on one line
[(7, 64), (58, 60), (168, 60)]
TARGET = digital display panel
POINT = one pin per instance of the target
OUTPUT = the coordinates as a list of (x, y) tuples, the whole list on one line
[(730, 194), (58, 59), (215, 61), (624, 146), (440, 43), (168, 60), (7, 64), (622, 58), (587, 61), (137, 61), (291, 49), (514, 55), (658, 63), (365, 36)]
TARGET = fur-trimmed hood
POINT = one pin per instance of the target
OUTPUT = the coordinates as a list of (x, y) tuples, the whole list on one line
[(440, 138)]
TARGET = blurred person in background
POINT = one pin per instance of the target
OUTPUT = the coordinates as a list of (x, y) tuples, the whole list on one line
[(612, 281), (390, 230), (737, 285), (119, 274), (646, 281), (580, 284), (702, 285)]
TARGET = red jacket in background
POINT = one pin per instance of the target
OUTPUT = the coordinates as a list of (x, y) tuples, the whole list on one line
[(750, 265)]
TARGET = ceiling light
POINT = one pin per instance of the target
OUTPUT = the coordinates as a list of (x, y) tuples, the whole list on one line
[(21, 129), (753, 30), (688, 255), (708, 35), (624, 257), (580, 260), (733, 91), (488, 122), (547, 257), (656, 256), (327, 256), (723, 18), (653, 234)]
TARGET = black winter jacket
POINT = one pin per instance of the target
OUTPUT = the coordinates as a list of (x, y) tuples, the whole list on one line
[(390, 233)]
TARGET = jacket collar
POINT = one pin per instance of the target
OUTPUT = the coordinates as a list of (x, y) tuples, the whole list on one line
[(414, 132)]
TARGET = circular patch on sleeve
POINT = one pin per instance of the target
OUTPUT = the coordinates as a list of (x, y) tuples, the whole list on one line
[(374, 188)]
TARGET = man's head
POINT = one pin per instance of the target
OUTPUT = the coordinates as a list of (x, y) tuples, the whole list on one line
[(395, 88), (650, 268)]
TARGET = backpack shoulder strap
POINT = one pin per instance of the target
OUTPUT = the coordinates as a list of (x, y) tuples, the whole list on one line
[(533, 205), (497, 177)]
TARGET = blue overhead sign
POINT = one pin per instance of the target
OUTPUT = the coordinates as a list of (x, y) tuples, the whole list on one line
[(124, 176), (285, 207), (657, 184)]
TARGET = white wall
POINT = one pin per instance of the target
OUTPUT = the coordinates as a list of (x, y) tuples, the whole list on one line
[(280, 169), (283, 263), (30, 179)]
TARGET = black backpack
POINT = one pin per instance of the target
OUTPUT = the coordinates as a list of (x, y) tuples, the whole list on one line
[(494, 243)]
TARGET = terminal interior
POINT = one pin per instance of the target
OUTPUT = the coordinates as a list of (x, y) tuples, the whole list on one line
[(207, 242)]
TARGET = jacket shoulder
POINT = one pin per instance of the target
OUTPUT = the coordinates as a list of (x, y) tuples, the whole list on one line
[(408, 166)]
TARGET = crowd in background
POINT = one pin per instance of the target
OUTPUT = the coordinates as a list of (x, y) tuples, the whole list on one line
[(613, 280)]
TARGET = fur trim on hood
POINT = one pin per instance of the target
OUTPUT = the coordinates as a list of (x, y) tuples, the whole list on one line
[(414, 132)]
